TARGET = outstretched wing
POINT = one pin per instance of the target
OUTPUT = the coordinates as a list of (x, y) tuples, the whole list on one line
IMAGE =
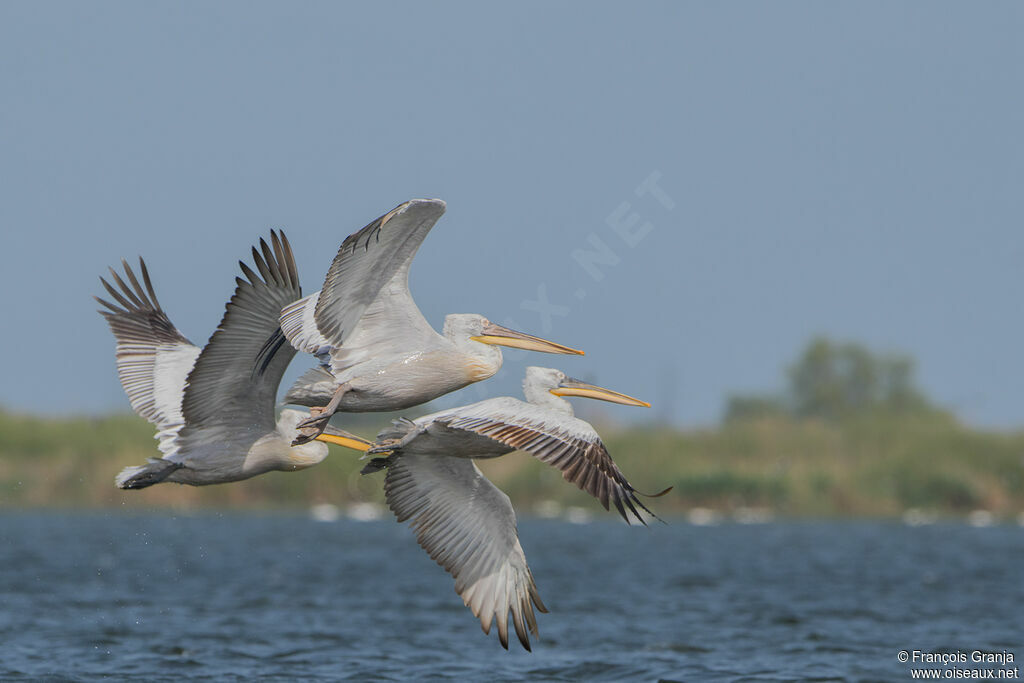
[(563, 441), (234, 382), (467, 525), (153, 357), (371, 269)]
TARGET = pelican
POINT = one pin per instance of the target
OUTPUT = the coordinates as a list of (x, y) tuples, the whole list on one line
[(465, 523), (376, 350), (213, 408)]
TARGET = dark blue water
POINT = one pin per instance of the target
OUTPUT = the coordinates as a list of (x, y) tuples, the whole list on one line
[(225, 597)]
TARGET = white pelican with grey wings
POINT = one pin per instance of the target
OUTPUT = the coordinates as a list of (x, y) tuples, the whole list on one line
[(377, 351), (466, 523), (213, 407)]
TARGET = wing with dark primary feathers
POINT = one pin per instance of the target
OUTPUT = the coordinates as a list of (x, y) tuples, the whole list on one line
[(371, 266), (563, 441), (153, 357), (467, 525), (235, 379)]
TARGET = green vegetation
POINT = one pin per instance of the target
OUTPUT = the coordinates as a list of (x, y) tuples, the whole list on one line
[(851, 437), (837, 382), (876, 467)]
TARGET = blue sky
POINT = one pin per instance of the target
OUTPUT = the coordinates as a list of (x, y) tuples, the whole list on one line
[(849, 169)]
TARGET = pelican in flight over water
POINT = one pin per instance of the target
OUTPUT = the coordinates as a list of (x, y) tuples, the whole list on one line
[(376, 350), (464, 522), (213, 408)]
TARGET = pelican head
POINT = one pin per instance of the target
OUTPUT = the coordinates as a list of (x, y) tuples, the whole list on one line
[(313, 452), (462, 327), (547, 386)]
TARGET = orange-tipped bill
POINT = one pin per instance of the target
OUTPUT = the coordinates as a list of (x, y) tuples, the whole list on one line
[(503, 336), (574, 387), (342, 438)]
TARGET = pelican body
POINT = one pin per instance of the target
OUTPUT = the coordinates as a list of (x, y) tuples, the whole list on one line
[(396, 380), (213, 407), (376, 350), (467, 524)]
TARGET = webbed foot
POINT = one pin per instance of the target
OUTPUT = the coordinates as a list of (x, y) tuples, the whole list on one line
[(386, 446), (313, 426), (317, 417)]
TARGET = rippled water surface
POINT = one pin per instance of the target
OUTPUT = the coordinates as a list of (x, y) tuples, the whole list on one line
[(224, 597)]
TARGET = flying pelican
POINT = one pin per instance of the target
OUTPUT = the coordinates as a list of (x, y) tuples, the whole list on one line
[(213, 408), (465, 523), (377, 352)]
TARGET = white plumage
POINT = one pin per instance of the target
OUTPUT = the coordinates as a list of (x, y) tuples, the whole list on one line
[(462, 520), (367, 332), (213, 408)]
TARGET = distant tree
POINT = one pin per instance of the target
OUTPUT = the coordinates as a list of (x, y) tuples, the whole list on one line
[(833, 381), (898, 390), (815, 382)]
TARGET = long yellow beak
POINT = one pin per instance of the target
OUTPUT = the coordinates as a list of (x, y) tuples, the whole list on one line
[(574, 387), (503, 336), (343, 438)]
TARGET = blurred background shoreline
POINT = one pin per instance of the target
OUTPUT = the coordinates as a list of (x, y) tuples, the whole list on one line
[(850, 435)]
